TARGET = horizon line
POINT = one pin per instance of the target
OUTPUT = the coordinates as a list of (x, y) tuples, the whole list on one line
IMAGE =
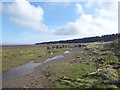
[(10, 44)]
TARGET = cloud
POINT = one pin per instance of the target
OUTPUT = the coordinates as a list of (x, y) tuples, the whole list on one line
[(105, 21), (69, 29), (101, 20), (79, 8), (23, 13)]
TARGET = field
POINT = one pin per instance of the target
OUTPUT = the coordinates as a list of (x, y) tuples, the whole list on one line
[(92, 65), (13, 56)]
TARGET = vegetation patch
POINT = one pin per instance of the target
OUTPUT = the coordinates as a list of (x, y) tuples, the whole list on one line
[(19, 55), (88, 68)]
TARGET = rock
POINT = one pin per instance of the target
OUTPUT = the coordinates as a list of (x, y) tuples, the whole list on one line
[(47, 74), (49, 48), (104, 77), (115, 82), (71, 62), (79, 45), (117, 66), (112, 63), (39, 56), (77, 56), (51, 53)]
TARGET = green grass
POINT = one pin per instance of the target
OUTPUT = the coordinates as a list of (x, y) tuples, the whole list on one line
[(69, 75), (16, 56), (72, 72), (76, 75)]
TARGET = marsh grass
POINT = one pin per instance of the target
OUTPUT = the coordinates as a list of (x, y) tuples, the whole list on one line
[(85, 67), (19, 55), (70, 74)]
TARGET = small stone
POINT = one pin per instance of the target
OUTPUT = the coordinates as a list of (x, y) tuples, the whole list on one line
[(77, 56)]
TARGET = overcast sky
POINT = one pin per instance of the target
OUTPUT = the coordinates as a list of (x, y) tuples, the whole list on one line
[(26, 22)]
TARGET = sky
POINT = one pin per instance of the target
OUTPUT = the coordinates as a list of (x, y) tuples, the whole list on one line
[(25, 22)]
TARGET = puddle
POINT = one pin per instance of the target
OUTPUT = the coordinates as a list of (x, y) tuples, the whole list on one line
[(66, 52), (54, 58), (27, 68), (20, 70)]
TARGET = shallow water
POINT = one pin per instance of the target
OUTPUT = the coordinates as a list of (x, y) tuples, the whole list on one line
[(20, 70), (66, 52), (27, 68), (54, 58)]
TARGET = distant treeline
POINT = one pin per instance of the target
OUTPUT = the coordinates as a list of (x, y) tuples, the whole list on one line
[(103, 38)]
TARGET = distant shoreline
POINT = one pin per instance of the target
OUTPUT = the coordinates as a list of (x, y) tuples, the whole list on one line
[(103, 38)]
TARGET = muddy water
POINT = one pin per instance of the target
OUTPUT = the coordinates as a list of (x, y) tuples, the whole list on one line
[(27, 68), (20, 70)]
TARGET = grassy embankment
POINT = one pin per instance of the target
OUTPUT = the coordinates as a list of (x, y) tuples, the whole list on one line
[(13, 56), (88, 67)]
